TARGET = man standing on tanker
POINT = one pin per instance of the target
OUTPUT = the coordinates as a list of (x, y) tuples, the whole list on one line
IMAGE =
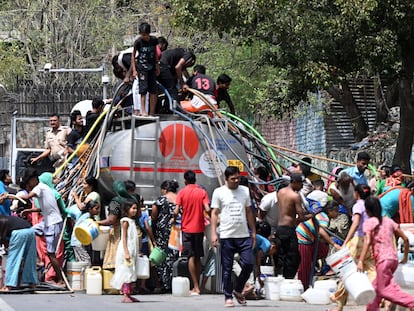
[(287, 257), (232, 203), (173, 65)]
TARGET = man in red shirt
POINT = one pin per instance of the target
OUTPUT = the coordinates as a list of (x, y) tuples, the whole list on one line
[(193, 201)]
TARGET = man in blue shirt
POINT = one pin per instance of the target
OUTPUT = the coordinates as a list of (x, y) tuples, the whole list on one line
[(357, 172)]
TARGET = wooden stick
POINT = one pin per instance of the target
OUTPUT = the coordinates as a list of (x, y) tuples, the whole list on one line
[(310, 155)]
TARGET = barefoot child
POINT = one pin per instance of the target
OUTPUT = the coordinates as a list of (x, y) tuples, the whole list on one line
[(126, 263), (379, 234)]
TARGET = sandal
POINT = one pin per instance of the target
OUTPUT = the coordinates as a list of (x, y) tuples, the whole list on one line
[(247, 290), (229, 303), (240, 298)]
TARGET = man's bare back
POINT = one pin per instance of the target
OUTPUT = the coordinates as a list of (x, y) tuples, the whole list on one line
[(290, 204)]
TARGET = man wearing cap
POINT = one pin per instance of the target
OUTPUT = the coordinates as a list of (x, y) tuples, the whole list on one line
[(287, 257)]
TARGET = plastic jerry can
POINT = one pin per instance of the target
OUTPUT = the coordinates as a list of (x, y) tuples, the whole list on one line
[(93, 281)]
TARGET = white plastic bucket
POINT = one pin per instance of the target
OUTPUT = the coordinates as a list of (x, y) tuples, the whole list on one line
[(359, 287), (266, 271), (93, 281), (76, 274), (180, 286), (404, 275), (291, 290), (316, 296), (99, 244), (328, 285), (143, 271), (272, 287), (342, 262)]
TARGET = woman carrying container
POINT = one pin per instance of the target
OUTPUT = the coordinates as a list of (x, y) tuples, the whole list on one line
[(355, 241), (161, 216), (379, 235), (21, 240)]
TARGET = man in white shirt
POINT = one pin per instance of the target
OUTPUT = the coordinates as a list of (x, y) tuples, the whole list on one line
[(232, 203), (268, 210)]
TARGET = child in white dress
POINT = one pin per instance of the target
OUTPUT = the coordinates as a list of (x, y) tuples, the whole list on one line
[(126, 262)]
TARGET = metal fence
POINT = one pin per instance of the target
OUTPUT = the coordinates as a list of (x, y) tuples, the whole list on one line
[(42, 96)]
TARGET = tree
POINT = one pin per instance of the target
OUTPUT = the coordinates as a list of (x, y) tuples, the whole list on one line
[(72, 34), (12, 62), (322, 44)]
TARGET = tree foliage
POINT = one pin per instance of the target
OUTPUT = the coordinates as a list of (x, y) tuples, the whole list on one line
[(320, 44), (71, 34), (12, 62)]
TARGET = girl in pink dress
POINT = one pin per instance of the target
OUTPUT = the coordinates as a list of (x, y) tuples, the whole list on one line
[(379, 234)]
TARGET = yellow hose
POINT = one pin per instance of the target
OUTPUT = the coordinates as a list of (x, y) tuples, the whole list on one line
[(85, 139)]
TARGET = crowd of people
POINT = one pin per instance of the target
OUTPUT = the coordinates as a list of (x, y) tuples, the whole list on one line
[(289, 226), (293, 225), (337, 217)]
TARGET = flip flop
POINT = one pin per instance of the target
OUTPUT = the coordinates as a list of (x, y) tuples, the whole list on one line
[(240, 298), (194, 294), (247, 290)]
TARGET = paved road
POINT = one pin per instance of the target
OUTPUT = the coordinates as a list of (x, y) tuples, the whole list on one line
[(81, 301)]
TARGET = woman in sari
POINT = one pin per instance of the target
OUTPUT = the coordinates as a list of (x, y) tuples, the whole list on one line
[(161, 216)]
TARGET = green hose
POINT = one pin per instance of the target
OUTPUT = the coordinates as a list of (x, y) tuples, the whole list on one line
[(373, 169), (258, 135)]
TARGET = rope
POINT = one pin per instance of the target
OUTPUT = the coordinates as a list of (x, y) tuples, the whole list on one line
[(310, 155)]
